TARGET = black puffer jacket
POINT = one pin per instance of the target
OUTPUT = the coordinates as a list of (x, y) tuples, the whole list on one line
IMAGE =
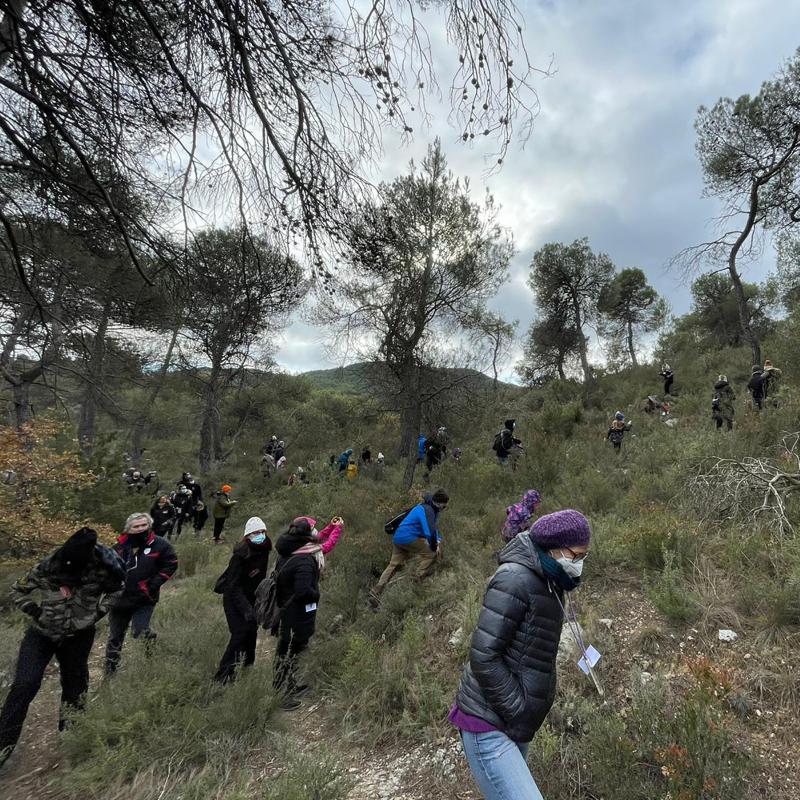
[(298, 584), (510, 680)]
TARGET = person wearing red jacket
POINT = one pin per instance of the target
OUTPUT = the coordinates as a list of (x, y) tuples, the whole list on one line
[(150, 561)]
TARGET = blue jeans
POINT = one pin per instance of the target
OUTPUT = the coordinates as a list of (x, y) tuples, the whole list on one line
[(119, 619), (499, 767)]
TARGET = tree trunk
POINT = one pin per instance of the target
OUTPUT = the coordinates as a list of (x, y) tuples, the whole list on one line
[(560, 368), (210, 450), (587, 371), (22, 403), (143, 420), (631, 349), (87, 424), (8, 29), (744, 310)]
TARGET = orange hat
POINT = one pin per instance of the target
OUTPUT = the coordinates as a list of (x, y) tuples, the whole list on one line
[(227, 488)]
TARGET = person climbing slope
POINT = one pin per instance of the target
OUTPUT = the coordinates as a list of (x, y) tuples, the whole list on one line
[(222, 510), (509, 684), (617, 431), (150, 561), (237, 585), (669, 377), (722, 409), (519, 515), (300, 562), (417, 536), (65, 595)]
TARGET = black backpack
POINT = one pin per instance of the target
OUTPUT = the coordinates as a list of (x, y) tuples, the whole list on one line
[(394, 523), (266, 608)]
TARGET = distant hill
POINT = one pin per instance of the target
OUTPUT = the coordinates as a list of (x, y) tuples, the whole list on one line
[(358, 378)]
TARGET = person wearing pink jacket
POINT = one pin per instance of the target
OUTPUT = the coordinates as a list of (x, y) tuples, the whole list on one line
[(329, 535)]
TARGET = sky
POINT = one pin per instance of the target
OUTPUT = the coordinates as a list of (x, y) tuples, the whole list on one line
[(611, 155)]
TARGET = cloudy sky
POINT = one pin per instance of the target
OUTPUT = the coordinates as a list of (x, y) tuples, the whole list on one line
[(611, 156)]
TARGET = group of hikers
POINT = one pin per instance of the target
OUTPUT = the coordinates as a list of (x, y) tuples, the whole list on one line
[(185, 506), (506, 689)]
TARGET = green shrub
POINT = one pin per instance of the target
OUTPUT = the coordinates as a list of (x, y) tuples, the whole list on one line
[(671, 594)]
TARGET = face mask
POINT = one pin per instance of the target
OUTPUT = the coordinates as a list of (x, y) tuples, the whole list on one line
[(572, 568), (259, 538)]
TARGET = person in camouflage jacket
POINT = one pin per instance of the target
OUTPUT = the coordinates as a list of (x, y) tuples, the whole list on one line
[(65, 595)]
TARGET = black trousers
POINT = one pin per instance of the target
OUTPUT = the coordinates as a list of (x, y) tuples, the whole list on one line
[(35, 653), (118, 622), (241, 648), (718, 420), (668, 385), (219, 524), (290, 645)]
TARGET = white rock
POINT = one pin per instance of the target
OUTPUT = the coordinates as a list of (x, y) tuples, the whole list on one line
[(457, 638), (726, 635), (606, 622), (645, 678)]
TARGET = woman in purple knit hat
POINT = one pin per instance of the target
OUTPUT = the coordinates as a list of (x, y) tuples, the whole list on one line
[(509, 684)]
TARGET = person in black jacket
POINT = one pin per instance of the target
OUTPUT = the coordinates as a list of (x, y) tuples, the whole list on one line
[(164, 515), (150, 561), (300, 562), (508, 686), (237, 585), (183, 500), (64, 596), (669, 377), (757, 387)]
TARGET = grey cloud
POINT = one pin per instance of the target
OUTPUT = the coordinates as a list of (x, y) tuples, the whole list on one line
[(612, 151)]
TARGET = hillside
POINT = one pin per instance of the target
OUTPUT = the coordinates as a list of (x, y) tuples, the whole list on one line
[(685, 715), (361, 377)]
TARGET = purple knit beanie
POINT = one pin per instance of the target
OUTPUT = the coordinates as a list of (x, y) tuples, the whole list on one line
[(561, 529)]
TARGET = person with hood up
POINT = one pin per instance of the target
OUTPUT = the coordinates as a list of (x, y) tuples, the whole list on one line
[(418, 537), (164, 515), (150, 561), (669, 376), (722, 409), (222, 510), (506, 446), (518, 516), (237, 585), (757, 387), (344, 459), (300, 562), (617, 429), (64, 595), (509, 684)]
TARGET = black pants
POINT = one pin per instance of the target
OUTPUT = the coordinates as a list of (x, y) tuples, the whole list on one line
[(241, 648), (668, 385), (182, 520), (35, 653), (219, 524), (118, 622), (718, 420), (290, 645)]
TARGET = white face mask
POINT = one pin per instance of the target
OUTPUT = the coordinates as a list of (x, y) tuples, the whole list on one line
[(572, 568)]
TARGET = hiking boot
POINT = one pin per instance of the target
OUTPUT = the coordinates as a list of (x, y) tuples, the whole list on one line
[(374, 601), (299, 689), (289, 703)]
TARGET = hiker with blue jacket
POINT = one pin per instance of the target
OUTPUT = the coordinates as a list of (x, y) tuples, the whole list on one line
[(344, 459), (417, 536)]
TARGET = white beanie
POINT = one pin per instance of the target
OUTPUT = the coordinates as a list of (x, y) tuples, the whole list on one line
[(253, 525)]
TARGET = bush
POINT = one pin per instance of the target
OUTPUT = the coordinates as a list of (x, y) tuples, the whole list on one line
[(671, 594)]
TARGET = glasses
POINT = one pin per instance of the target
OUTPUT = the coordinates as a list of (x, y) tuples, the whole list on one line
[(573, 555)]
